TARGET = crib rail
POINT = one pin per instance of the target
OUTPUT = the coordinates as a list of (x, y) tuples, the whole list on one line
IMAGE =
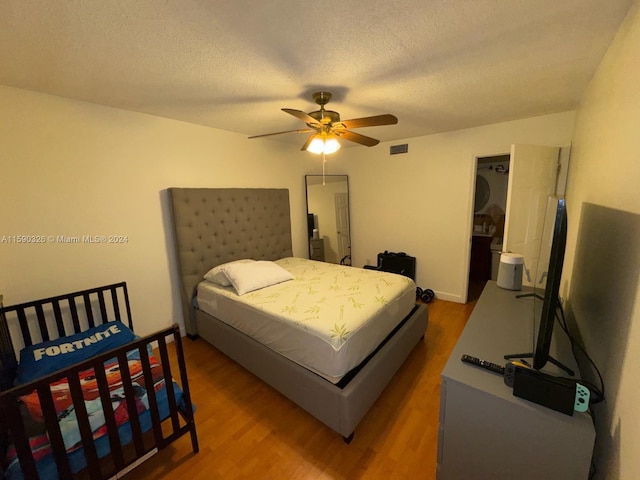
[(60, 316), (179, 422)]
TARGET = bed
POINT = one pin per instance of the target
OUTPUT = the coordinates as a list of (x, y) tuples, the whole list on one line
[(213, 227), (81, 395)]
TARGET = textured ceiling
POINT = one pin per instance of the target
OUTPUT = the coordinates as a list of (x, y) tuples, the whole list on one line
[(438, 65)]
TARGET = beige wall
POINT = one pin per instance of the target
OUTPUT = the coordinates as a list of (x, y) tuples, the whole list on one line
[(71, 169), (602, 266), (421, 202)]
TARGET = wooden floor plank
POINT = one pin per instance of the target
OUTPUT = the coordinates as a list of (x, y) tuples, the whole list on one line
[(248, 430)]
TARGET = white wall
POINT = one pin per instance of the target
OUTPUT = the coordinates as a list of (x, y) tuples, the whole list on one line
[(421, 202), (71, 168), (602, 267)]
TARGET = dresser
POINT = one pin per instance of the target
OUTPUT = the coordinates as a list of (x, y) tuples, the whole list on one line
[(316, 249), (480, 262), (487, 433)]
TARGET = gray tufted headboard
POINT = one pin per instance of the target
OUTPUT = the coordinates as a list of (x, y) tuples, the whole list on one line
[(216, 225)]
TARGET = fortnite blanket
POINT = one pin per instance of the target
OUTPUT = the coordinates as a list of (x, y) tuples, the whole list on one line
[(51, 356), (44, 358)]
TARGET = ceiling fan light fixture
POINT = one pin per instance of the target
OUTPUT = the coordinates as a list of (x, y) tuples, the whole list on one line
[(326, 144), (328, 127)]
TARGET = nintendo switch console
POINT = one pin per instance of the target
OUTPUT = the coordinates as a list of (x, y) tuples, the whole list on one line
[(561, 394)]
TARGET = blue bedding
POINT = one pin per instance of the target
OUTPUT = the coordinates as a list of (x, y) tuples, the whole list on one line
[(41, 359), (45, 358)]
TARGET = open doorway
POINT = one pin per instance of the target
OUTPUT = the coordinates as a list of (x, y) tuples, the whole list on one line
[(490, 204)]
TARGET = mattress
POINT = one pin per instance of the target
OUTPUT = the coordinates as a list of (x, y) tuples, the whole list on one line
[(328, 319)]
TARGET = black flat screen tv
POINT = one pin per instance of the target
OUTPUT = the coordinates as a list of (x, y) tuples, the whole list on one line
[(546, 293), (548, 275)]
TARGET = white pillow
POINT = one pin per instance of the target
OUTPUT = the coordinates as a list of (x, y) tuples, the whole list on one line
[(247, 277), (216, 274)]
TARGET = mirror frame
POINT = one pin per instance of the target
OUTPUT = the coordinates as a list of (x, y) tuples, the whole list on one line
[(328, 246)]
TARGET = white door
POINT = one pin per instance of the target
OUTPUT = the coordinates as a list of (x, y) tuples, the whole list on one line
[(342, 225), (533, 174)]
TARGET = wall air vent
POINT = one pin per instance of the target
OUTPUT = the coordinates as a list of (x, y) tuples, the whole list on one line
[(396, 149)]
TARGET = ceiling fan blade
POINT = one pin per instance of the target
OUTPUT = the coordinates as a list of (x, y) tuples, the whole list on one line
[(374, 121), (306, 144), (357, 138), (302, 116), (303, 130)]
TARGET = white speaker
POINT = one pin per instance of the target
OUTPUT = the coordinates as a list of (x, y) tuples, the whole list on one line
[(510, 271)]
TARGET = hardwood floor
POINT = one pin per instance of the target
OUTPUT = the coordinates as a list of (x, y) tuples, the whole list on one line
[(247, 430)]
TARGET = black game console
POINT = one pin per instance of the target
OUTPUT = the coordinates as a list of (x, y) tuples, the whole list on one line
[(561, 394), (558, 393)]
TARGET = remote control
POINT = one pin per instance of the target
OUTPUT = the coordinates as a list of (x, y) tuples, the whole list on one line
[(492, 367)]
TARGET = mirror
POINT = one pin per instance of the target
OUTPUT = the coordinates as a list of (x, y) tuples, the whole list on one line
[(328, 218), (483, 192)]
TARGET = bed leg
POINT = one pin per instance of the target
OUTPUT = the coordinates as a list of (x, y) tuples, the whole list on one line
[(348, 439)]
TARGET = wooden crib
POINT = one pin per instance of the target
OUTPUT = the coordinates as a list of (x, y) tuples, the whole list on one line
[(143, 409)]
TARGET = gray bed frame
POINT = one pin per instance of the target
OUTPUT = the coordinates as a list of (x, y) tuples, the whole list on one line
[(212, 226)]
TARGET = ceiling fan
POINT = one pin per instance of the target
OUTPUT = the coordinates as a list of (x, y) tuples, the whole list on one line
[(326, 127)]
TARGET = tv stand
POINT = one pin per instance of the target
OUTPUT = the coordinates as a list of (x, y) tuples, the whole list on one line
[(532, 294), (532, 354), (549, 359), (487, 432)]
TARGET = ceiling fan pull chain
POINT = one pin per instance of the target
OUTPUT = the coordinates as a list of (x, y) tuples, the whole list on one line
[(324, 160)]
